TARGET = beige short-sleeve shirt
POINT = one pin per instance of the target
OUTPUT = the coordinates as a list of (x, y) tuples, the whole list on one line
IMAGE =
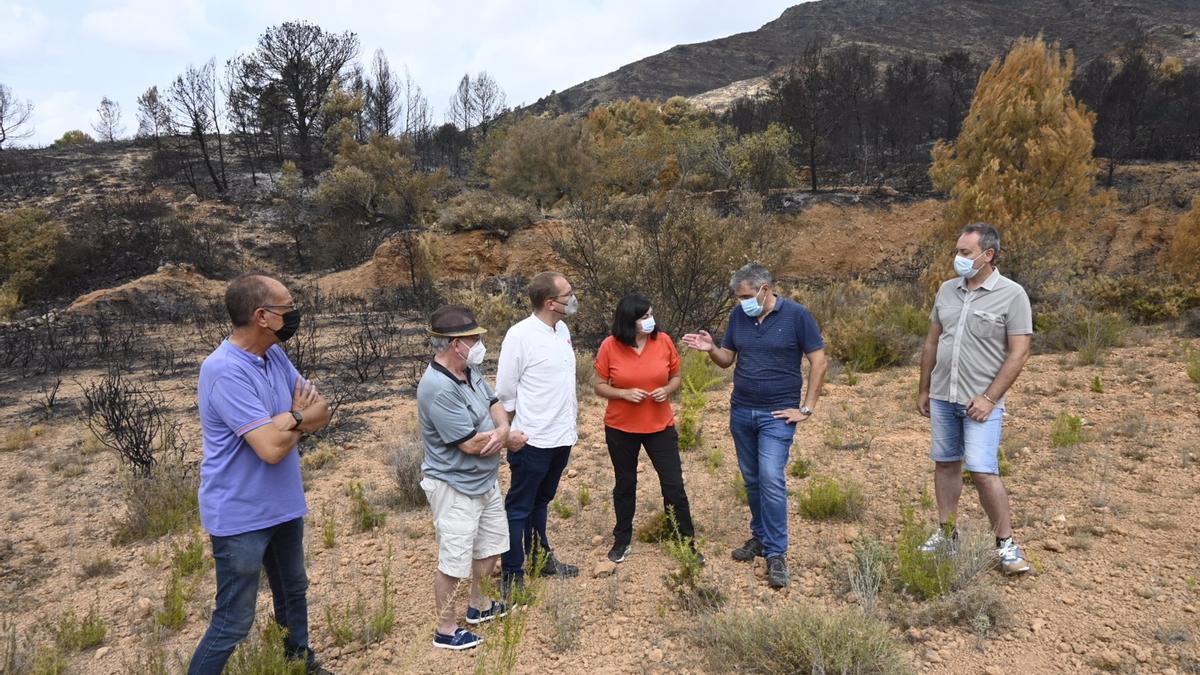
[(974, 340)]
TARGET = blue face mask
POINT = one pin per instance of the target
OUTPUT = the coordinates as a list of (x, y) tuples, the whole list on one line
[(965, 267), (751, 306), (647, 325)]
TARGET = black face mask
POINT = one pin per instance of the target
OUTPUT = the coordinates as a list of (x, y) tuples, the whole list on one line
[(291, 323)]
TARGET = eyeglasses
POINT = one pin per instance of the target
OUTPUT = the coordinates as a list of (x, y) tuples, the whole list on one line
[(290, 308)]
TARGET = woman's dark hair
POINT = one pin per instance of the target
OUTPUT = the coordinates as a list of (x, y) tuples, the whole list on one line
[(625, 318)]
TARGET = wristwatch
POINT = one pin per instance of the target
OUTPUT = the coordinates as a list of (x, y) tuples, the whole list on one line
[(806, 411), (298, 417)]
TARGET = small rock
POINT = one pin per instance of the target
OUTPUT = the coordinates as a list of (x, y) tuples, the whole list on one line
[(1109, 659), (102, 652), (597, 540), (571, 473), (993, 670), (144, 606), (1099, 530), (1037, 625), (932, 656), (1190, 609), (760, 568), (1053, 545), (1060, 519), (614, 632), (850, 534), (655, 655), (604, 568), (1068, 600)]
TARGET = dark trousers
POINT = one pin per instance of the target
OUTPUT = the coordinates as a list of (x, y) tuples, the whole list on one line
[(535, 476), (663, 449), (240, 559)]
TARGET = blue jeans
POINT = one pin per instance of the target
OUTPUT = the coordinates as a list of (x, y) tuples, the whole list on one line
[(957, 437), (763, 444), (535, 476), (239, 559)]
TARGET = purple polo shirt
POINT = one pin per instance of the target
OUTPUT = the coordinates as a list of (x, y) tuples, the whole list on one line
[(238, 393)]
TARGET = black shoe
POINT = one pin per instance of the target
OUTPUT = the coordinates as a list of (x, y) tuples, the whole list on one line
[(619, 552), (699, 556), (556, 568), (752, 549), (777, 572)]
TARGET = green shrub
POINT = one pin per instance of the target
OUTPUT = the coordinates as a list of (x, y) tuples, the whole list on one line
[(686, 581), (161, 503), (689, 420), (697, 373), (1193, 367), (263, 654), (74, 634), (73, 137), (868, 328), (30, 246), (562, 508), (801, 467), (1144, 299), (406, 471), (1067, 431), (799, 639), (826, 498), (1097, 385), (585, 496), (739, 489), (493, 213), (365, 516), (923, 575), (1075, 328), (760, 160), (657, 528)]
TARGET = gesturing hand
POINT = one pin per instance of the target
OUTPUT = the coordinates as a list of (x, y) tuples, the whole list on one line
[(701, 341)]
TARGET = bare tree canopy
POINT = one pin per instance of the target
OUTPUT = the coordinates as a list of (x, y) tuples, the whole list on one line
[(382, 96), (194, 97), (108, 127), (14, 117)]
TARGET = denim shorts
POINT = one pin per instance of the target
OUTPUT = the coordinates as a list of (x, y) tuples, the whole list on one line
[(958, 437)]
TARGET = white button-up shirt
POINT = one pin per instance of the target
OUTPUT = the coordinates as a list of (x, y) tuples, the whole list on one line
[(536, 379)]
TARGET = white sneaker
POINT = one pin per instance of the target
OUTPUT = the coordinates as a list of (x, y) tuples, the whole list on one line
[(1012, 561), (938, 542)]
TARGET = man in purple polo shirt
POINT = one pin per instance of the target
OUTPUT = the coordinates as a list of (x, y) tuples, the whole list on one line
[(254, 406), (767, 336)]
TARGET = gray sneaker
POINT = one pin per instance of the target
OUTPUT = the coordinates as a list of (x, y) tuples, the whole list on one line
[(1012, 561), (777, 573), (938, 542)]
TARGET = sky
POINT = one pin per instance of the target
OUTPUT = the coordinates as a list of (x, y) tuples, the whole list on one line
[(65, 55)]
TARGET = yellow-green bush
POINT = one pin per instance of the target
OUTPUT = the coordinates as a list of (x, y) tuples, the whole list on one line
[(868, 328), (30, 245), (827, 498), (494, 213)]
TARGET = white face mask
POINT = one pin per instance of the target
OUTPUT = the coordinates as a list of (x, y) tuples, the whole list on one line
[(647, 325), (571, 306), (965, 267), (476, 354)]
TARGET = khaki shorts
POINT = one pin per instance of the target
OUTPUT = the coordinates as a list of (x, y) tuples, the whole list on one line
[(468, 528)]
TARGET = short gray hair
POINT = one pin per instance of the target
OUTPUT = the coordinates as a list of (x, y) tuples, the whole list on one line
[(751, 273), (439, 343), (989, 237)]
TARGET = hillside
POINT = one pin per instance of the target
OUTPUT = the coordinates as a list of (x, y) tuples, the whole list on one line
[(984, 28)]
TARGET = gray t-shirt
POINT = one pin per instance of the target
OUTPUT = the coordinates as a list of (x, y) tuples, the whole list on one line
[(451, 412), (975, 329)]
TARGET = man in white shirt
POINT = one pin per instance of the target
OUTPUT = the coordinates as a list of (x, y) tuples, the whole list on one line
[(535, 379)]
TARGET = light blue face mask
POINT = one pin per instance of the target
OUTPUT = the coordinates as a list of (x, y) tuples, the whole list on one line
[(751, 306), (966, 266), (647, 325)]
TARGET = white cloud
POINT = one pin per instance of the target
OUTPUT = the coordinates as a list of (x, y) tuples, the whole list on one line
[(22, 28), (148, 24)]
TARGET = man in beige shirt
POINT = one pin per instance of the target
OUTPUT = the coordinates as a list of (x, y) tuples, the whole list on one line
[(980, 331)]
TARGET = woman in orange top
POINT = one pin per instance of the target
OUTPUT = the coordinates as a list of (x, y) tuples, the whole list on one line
[(637, 370)]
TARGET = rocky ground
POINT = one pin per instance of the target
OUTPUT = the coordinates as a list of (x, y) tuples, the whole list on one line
[(1110, 525)]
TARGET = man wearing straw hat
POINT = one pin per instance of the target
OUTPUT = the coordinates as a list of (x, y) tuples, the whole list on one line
[(463, 427)]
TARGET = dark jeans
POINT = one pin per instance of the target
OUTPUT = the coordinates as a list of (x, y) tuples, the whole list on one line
[(239, 559), (663, 449), (535, 476)]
